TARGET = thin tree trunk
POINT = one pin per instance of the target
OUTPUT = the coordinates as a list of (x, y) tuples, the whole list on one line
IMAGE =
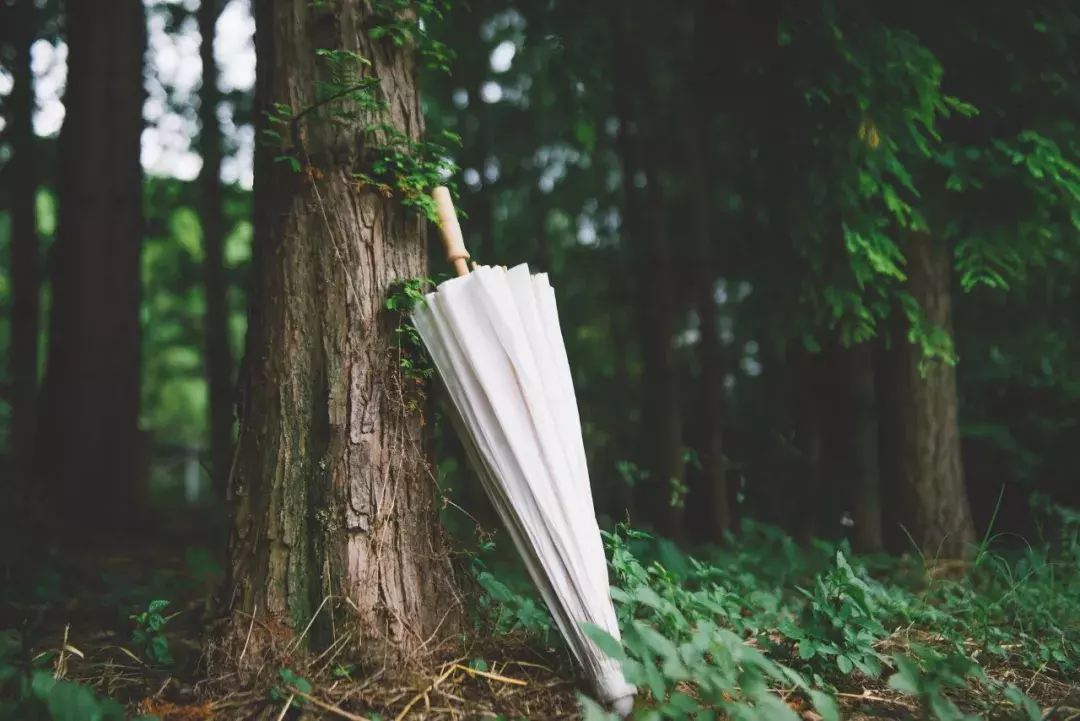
[(862, 449), (712, 491), (539, 204), (833, 406), (218, 358), (931, 500), (646, 212), (25, 272), (889, 433), (90, 445), (662, 409), (486, 251), (334, 493), (628, 77), (809, 439)]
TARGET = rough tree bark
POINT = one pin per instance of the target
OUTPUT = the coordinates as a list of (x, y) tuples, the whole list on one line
[(218, 358), (921, 439), (25, 271), (89, 445), (334, 495)]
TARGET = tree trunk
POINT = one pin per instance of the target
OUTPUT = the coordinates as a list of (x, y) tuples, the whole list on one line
[(90, 444), (628, 77), (862, 449), (334, 495), (487, 250), (833, 406), (805, 512), (712, 489), (887, 361), (26, 282), (218, 358), (662, 411), (540, 206), (929, 496), (646, 212)]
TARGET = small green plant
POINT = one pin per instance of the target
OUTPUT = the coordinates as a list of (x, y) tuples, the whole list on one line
[(403, 22), (413, 361), (838, 624), (504, 611), (391, 163), (285, 690), (630, 473), (346, 80), (344, 670), (148, 636), (281, 134), (726, 673), (764, 629), (405, 296), (406, 168), (680, 630), (926, 674), (29, 689), (679, 489)]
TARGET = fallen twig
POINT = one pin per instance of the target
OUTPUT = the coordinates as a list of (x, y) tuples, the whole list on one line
[(326, 706)]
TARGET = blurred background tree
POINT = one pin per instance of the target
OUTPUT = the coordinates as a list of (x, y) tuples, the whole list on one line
[(775, 229), (814, 261), (815, 264)]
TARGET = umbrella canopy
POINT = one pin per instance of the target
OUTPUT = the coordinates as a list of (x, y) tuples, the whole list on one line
[(495, 340)]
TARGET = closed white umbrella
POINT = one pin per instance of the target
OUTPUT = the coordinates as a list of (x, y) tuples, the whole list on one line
[(495, 340)]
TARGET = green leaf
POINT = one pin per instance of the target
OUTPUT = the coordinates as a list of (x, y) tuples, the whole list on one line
[(496, 588), (844, 664), (907, 678), (10, 644), (683, 703), (1019, 699), (774, 709), (604, 641), (944, 709), (666, 649), (592, 711), (825, 705), (585, 133), (159, 650), (68, 701), (646, 595)]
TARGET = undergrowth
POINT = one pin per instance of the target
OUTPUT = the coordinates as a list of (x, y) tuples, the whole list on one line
[(763, 630), (759, 630)]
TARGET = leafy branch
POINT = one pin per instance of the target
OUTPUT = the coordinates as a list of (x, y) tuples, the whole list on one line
[(402, 22)]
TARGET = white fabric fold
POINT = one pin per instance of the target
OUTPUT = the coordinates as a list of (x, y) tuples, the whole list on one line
[(495, 339)]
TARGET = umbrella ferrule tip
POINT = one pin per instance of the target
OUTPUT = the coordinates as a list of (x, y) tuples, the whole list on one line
[(624, 706)]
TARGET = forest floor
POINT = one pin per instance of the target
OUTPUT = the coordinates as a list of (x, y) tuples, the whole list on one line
[(760, 630)]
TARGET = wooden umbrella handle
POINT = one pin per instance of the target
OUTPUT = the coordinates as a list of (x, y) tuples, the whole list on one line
[(450, 230)]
